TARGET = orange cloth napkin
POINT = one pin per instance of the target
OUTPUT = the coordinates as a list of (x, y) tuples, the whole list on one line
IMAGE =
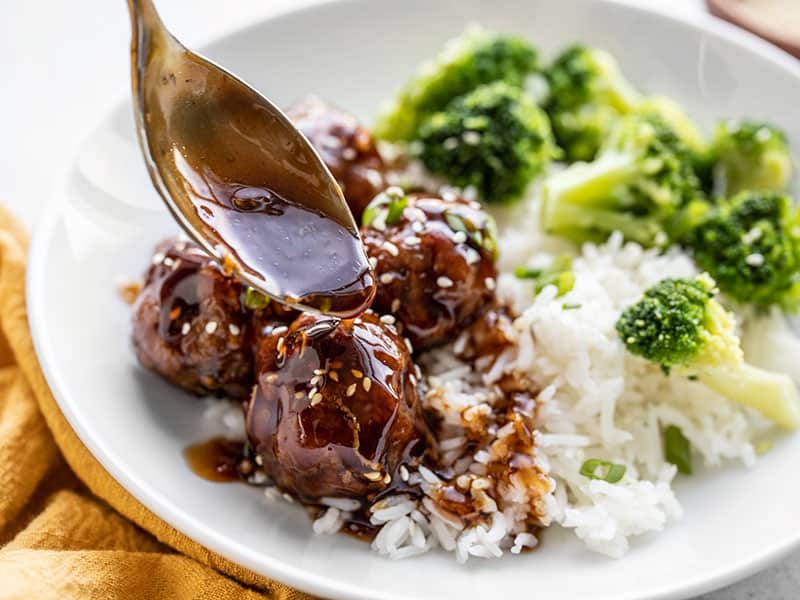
[(67, 529)]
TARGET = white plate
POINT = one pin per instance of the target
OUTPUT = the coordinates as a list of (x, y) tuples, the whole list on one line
[(106, 217)]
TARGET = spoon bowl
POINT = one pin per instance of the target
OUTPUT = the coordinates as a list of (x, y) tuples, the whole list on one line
[(241, 180)]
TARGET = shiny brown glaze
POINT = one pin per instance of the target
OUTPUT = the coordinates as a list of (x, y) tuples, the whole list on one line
[(334, 411), (241, 179), (217, 459), (189, 324), (346, 147), (430, 281)]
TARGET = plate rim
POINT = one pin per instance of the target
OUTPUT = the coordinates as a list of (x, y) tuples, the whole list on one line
[(269, 565)]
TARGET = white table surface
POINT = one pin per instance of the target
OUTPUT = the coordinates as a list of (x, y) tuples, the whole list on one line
[(62, 63)]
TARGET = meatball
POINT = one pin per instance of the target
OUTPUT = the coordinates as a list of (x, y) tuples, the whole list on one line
[(190, 325), (435, 263), (346, 147), (335, 408)]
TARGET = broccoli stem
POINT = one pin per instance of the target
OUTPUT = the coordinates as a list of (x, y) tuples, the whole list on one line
[(575, 202), (774, 395)]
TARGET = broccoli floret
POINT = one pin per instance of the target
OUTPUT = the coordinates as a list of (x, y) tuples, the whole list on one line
[(751, 245), (672, 113), (587, 94), (679, 325), (749, 155), (475, 58), (641, 184), (495, 138)]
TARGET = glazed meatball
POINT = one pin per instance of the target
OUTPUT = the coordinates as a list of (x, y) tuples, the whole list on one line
[(335, 407), (345, 146), (435, 263), (190, 325)]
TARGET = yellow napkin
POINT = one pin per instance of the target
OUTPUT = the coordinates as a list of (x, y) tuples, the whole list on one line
[(67, 529)]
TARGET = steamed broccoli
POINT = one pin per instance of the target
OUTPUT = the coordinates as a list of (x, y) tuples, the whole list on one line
[(495, 138), (749, 155), (751, 245), (679, 325), (672, 113), (641, 184), (472, 59), (587, 94)]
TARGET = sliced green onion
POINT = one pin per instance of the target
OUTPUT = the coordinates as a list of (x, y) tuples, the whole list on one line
[(558, 273), (390, 203), (396, 208), (482, 238), (527, 273), (596, 468), (568, 306), (255, 300), (677, 449)]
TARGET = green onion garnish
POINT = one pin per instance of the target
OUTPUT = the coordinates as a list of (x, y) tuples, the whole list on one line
[(677, 449), (255, 300), (568, 306), (596, 468), (389, 203), (558, 273)]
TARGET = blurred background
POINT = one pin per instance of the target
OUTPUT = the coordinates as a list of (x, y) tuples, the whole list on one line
[(62, 64)]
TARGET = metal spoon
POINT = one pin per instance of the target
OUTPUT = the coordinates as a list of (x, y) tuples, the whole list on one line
[(241, 179)]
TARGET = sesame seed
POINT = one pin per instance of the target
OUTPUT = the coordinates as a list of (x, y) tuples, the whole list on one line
[(755, 259), (334, 375), (391, 248), (373, 262), (386, 278), (288, 498), (320, 371), (185, 328), (211, 327), (395, 305), (367, 383), (408, 345), (374, 177), (403, 473), (316, 399), (373, 475), (387, 479), (349, 153), (259, 460), (412, 240), (490, 283), (417, 227), (279, 330), (388, 319), (444, 282), (351, 389), (412, 379), (167, 262), (472, 138), (280, 344), (473, 256), (459, 237), (158, 258), (356, 373), (234, 329), (314, 380), (311, 392)]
